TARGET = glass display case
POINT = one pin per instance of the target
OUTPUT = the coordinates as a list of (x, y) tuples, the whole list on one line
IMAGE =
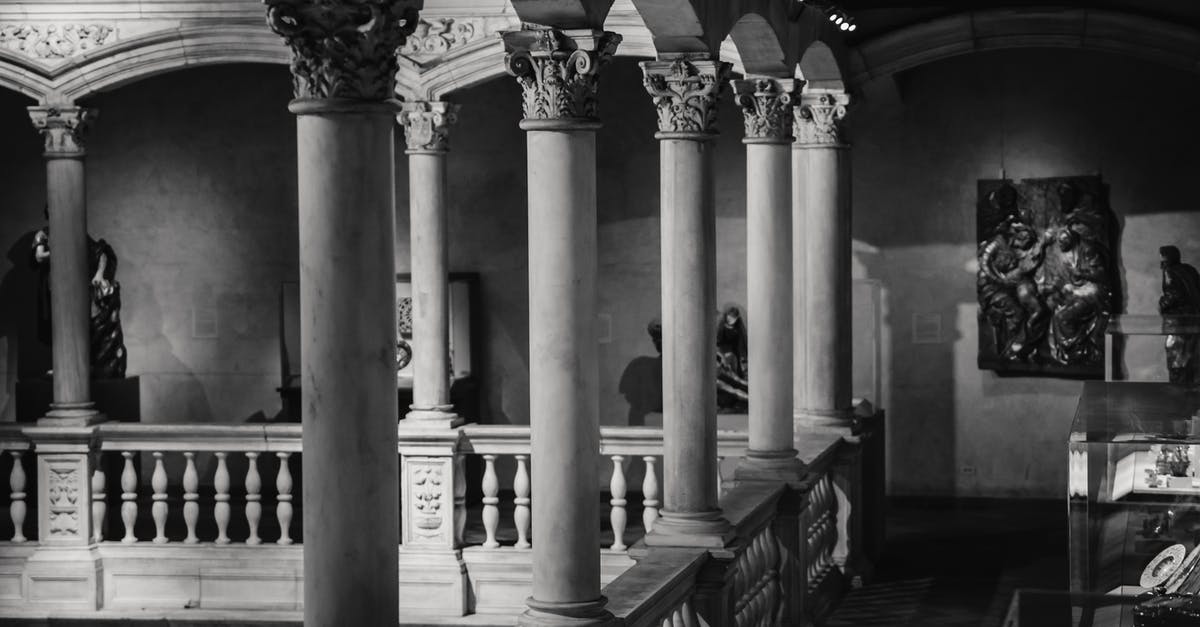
[(1134, 496)]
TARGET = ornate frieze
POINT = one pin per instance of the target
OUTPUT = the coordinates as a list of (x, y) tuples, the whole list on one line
[(427, 125), (767, 106), (685, 92), (52, 42), (439, 36), (343, 48), (558, 74), (819, 117), (63, 128)]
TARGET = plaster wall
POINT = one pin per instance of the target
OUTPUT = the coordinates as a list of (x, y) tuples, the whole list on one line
[(921, 141)]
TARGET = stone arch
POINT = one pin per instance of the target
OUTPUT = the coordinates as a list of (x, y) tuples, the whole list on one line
[(157, 53), (22, 77), (677, 27), (760, 48), (1106, 31), (819, 68)]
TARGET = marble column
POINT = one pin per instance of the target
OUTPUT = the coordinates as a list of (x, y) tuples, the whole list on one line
[(343, 70), (767, 106), (821, 236), (685, 93), (63, 128), (427, 129), (558, 75)]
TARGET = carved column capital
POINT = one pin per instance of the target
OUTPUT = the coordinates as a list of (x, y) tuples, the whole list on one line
[(343, 48), (818, 118), (427, 125), (64, 129), (685, 92), (558, 72), (767, 106)]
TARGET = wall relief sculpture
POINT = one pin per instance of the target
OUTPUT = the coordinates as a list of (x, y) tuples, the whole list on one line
[(1180, 297), (108, 358), (1046, 280)]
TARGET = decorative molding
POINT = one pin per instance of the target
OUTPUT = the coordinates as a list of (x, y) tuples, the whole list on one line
[(62, 496), (558, 73), (430, 517), (427, 125), (55, 42), (438, 36), (818, 118), (767, 106), (686, 93), (342, 48), (63, 128)]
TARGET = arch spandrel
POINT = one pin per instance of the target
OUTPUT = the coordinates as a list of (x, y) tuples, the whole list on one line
[(819, 68)]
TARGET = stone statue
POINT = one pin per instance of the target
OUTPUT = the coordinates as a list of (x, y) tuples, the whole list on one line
[(733, 388), (108, 358), (1180, 296)]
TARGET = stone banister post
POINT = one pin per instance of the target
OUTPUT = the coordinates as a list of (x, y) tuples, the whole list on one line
[(343, 67), (685, 93), (558, 74), (822, 282), (767, 105), (427, 130), (64, 128)]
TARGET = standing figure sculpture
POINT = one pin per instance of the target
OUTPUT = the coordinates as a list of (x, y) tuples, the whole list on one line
[(108, 358), (1180, 297)]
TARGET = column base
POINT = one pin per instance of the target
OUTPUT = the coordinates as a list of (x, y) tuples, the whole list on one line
[(435, 417), (770, 466), (64, 578), (586, 613), (817, 418), (72, 415), (706, 530)]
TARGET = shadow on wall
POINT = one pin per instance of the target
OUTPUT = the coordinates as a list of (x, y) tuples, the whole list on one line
[(25, 357), (171, 386), (642, 386)]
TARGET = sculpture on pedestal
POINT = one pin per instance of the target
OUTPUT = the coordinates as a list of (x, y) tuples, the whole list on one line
[(1180, 297), (108, 358), (1045, 281)]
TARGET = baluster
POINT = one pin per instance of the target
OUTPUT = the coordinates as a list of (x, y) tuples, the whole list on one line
[(283, 509), (99, 507), (618, 516), (460, 499), (649, 495), (720, 479), (677, 618), (253, 498), (129, 506), (158, 481), (221, 511), (491, 501), (689, 615), (16, 510), (521, 513), (191, 494)]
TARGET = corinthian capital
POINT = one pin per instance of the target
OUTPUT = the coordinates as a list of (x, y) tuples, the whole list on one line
[(63, 128), (343, 48), (818, 118), (685, 92), (558, 72), (427, 125), (767, 105)]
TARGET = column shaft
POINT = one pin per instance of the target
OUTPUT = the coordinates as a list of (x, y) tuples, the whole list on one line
[(70, 294), (689, 306), (824, 339), (431, 314), (347, 330), (563, 371), (769, 291)]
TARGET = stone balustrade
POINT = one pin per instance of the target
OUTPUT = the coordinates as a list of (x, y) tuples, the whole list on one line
[(205, 510)]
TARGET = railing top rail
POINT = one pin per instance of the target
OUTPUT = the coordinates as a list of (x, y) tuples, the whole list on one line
[(514, 439), (12, 438), (199, 437), (653, 587)]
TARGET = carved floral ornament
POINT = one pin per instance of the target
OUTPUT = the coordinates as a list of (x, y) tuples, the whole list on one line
[(54, 41), (427, 125), (63, 128), (685, 93), (819, 117), (441, 35), (767, 106), (343, 48), (558, 75)]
